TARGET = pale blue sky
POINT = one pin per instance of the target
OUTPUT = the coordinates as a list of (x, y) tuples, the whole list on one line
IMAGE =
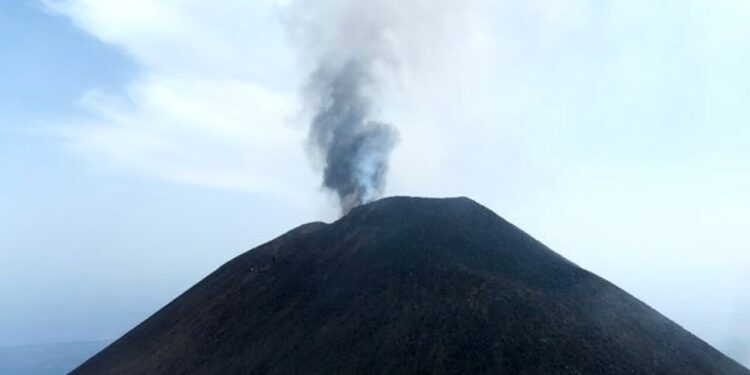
[(144, 143), (87, 251), (47, 64)]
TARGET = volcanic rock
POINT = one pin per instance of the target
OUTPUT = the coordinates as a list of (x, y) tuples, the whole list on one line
[(407, 286)]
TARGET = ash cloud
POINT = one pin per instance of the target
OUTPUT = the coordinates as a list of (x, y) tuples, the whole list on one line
[(355, 148), (348, 46)]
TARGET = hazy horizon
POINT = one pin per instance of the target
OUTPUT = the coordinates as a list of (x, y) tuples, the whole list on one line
[(142, 145)]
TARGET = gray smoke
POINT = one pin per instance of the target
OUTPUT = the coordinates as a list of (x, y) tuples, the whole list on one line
[(347, 43), (354, 147)]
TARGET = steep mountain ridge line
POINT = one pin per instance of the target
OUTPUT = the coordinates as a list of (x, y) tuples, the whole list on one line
[(407, 286)]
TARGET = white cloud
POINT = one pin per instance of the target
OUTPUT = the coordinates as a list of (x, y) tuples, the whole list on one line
[(214, 102), (221, 134), (230, 39)]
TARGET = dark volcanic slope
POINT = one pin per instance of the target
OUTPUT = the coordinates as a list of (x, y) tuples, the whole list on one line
[(407, 286)]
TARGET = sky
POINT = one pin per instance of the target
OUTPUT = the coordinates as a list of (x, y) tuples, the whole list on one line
[(144, 143)]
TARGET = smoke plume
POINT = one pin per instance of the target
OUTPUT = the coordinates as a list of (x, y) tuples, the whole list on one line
[(355, 148), (347, 43)]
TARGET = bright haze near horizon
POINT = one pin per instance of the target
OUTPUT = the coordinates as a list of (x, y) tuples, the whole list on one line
[(144, 143)]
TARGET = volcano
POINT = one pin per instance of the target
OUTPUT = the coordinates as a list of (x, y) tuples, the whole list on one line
[(407, 286)]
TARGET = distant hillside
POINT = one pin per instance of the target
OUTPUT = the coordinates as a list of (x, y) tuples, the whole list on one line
[(408, 286)]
